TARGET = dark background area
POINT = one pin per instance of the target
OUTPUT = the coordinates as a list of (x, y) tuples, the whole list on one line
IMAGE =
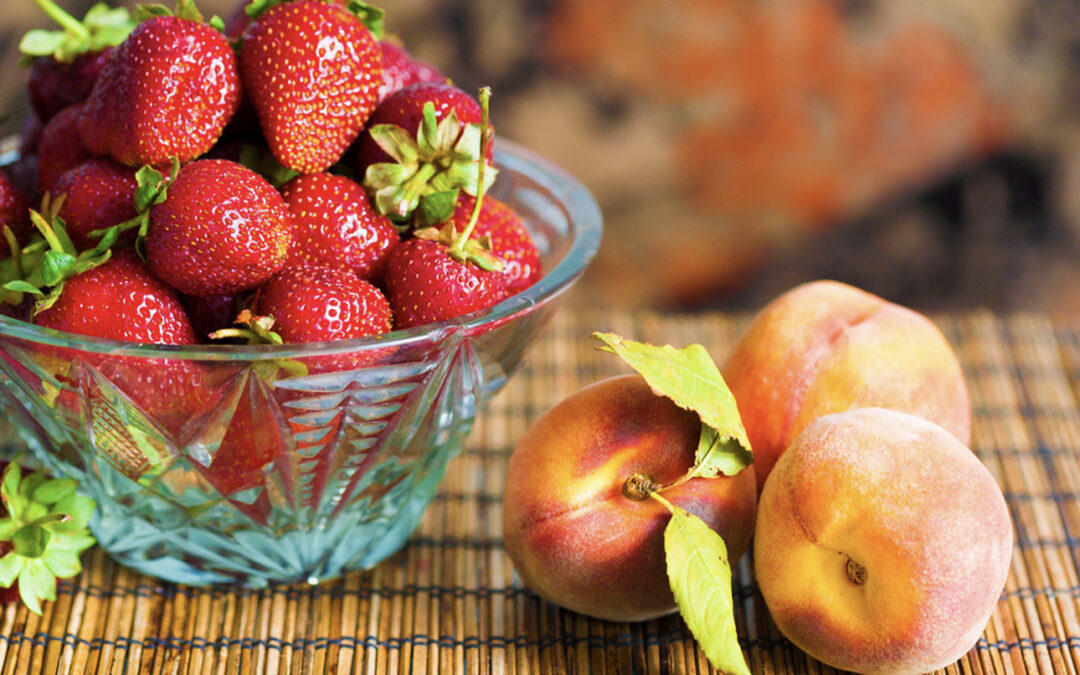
[(928, 152)]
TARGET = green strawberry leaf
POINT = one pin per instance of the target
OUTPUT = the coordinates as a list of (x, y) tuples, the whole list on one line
[(56, 266), (372, 17), (64, 565), (30, 541), (396, 142), (690, 378), (186, 9), (40, 42), (437, 207), (23, 287), (700, 577), (52, 491), (467, 147), (36, 583), (387, 174), (10, 566), (150, 11)]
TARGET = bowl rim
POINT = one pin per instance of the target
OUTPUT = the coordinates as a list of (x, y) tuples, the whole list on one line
[(585, 222)]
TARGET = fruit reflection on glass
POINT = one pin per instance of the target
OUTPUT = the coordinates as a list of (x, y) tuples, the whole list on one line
[(255, 340)]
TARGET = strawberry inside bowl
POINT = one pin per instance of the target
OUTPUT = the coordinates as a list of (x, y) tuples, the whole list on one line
[(252, 464)]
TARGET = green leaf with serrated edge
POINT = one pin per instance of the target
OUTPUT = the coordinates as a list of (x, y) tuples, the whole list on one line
[(30, 541), (700, 577), (40, 42), (36, 583), (396, 142), (688, 377), (53, 490), (10, 566), (437, 207)]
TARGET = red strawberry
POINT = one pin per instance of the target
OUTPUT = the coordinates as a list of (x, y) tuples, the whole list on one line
[(314, 303), (119, 300), (167, 91), (425, 284), (211, 313), (400, 69), (66, 63), (30, 135), (221, 229), (99, 193), (60, 147), (313, 70), (14, 212), (334, 223), (405, 108), (510, 239)]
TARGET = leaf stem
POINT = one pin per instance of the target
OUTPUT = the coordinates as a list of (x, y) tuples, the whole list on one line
[(485, 141), (69, 23), (665, 502)]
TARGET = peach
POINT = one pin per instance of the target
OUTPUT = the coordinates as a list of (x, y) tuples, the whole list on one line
[(825, 347), (882, 543), (577, 534)]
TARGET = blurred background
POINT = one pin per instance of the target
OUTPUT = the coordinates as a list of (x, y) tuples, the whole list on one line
[(925, 151)]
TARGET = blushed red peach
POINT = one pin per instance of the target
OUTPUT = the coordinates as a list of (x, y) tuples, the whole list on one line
[(826, 347), (882, 543), (573, 534)]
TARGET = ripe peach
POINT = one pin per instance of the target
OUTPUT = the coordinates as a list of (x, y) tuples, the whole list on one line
[(825, 347), (576, 535), (882, 543)]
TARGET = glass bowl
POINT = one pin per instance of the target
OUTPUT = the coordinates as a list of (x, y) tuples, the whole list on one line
[(258, 464)]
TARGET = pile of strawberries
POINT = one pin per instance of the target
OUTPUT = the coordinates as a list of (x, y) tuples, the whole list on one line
[(287, 174)]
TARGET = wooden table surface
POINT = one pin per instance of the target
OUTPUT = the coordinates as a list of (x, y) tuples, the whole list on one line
[(450, 601)]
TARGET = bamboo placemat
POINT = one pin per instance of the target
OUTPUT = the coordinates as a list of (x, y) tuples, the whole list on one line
[(450, 602)]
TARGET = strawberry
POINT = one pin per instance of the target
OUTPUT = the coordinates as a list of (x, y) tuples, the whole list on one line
[(30, 135), (60, 147), (400, 69), (425, 284), (510, 239), (221, 228), (334, 223), (416, 146), (315, 303), (99, 193), (14, 213), (312, 69), (119, 300), (167, 91), (65, 64), (213, 312)]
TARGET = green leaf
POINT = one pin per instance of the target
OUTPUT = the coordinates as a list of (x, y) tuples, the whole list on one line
[(438, 207), (40, 42), (396, 142), (56, 266), (186, 9), (467, 147), (387, 174), (36, 583), (23, 287), (10, 566), (149, 11), (690, 378), (30, 541), (78, 507), (7, 529), (54, 490), (9, 487), (700, 578), (63, 564), (370, 16)]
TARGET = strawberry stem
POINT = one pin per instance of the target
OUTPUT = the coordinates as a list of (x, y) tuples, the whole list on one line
[(69, 23), (409, 193), (485, 140), (13, 245)]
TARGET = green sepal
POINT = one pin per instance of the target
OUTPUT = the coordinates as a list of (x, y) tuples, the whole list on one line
[(52, 491), (9, 488), (36, 583), (186, 9), (10, 566), (396, 142), (65, 565), (22, 286), (56, 266), (256, 8), (30, 541), (372, 17), (102, 27), (151, 11), (438, 207), (217, 23), (78, 509)]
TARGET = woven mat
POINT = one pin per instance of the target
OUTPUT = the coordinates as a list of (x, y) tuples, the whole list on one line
[(450, 602)]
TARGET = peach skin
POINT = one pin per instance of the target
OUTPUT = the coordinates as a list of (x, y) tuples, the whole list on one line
[(577, 535), (882, 543), (825, 347)]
